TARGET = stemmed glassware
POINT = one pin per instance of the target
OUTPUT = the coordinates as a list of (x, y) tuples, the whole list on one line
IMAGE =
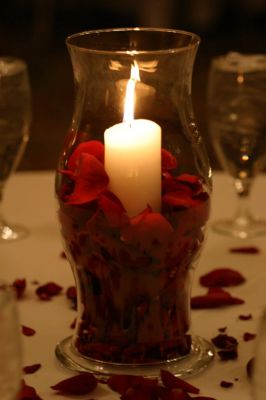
[(15, 116), (237, 124), (10, 347)]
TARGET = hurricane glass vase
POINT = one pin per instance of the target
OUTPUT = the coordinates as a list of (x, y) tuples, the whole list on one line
[(133, 187)]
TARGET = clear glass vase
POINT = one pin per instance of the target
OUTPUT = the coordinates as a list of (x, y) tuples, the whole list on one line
[(133, 186)]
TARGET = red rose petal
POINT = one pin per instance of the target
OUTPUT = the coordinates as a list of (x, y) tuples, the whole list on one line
[(224, 341), (223, 329), (245, 317), (191, 180), (27, 331), (30, 369), (169, 161), (90, 181), (121, 383), (228, 354), (147, 230), (80, 384), (113, 209), (180, 199), (50, 289), (73, 323), (27, 392), (71, 294), (172, 394), (245, 250), (203, 398), (63, 254), (215, 297), (93, 147), (226, 384), (171, 381), (19, 285), (250, 367), (248, 336), (222, 277)]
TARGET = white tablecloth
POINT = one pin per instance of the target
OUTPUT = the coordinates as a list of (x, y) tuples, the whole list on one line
[(30, 200)]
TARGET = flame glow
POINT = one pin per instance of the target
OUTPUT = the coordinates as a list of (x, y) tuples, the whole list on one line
[(130, 94)]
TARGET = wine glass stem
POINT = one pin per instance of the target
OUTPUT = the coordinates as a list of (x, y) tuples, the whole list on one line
[(243, 216)]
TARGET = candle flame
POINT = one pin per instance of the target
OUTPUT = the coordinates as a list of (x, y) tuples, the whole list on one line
[(130, 94)]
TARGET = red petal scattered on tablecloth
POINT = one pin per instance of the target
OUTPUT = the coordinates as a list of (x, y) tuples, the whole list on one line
[(226, 384), (169, 161), (245, 317), (27, 331), (20, 286), (215, 297), (30, 369), (93, 147), (80, 384), (245, 250), (121, 383), (222, 277), (223, 341), (248, 336), (250, 367), (63, 254), (48, 290), (73, 323), (171, 381), (228, 344), (165, 393), (28, 392), (90, 181)]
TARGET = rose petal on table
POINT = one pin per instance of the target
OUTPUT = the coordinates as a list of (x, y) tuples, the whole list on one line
[(27, 331), (222, 277), (228, 354), (20, 286), (226, 384), (245, 250), (48, 290), (171, 381), (30, 369), (248, 336), (27, 392), (223, 329), (214, 298), (80, 384), (63, 254), (90, 181), (250, 367), (73, 324), (243, 317), (165, 393), (122, 382), (169, 161), (224, 341), (93, 147)]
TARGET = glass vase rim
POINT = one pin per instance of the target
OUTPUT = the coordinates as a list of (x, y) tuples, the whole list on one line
[(174, 49)]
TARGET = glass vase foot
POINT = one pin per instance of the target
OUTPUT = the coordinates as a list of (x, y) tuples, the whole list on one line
[(200, 356), (242, 231), (9, 233)]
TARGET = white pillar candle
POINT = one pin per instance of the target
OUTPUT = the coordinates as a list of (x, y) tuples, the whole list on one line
[(133, 157), (133, 164)]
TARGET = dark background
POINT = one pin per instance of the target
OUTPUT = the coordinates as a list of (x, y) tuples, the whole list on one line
[(35, 30)]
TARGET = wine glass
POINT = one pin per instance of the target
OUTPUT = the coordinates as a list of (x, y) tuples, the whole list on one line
[(236, 102), (15, 116), (10, 346)]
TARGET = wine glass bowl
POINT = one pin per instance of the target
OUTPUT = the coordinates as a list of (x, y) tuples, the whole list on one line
[(15, 115), (237, 125)]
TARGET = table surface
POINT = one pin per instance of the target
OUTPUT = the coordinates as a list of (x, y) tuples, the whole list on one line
[(29, 200)]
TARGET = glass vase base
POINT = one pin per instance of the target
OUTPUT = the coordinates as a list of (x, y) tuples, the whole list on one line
[(200, 356), (9, 233), (246, 231)]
